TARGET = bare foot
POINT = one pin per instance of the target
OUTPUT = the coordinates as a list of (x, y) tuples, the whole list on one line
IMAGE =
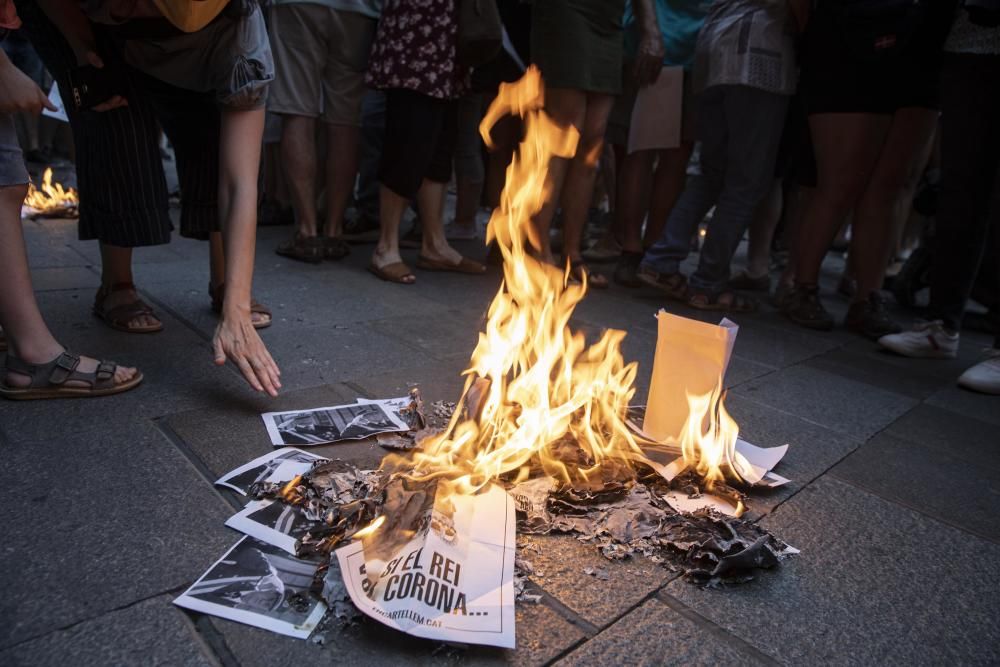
[(383, 258), (441, 252)]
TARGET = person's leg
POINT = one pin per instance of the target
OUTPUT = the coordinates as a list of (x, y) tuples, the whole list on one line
[(635, 177), (298, 158), (669, 180), (372, 130), (469, 171), (413, 123), (754, 120), (872, 230), (765, 221), (578, 188), (568, 107), (674, 244), (342, 148)]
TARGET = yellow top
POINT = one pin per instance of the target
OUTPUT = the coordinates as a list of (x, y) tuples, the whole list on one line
[(190, 15)]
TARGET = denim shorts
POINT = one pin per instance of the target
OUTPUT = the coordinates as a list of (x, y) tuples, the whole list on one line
[(12, 170)]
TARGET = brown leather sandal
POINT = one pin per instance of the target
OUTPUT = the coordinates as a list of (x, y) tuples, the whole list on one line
[(464, 265), (397, 272), (308, 249), (120, 317), (334, 248), (49, 380), (218, 296)]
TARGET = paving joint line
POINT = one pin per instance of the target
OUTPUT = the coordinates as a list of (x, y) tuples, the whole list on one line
[(213, 641), (714, 629), (200, 467)]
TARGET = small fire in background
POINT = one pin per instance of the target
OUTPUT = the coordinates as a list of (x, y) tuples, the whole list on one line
[(50, 200), (538, 399)]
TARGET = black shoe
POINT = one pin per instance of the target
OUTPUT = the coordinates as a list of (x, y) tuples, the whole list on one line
[(804, 308), (628, 268), (870, 318)]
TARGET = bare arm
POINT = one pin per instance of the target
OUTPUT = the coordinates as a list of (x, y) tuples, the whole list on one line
[(649, 59)]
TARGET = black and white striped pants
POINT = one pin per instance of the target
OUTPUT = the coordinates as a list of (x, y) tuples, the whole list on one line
[(123, 191)]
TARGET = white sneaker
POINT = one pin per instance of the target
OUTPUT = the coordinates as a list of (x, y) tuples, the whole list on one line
[(984, 377), (926, 340)]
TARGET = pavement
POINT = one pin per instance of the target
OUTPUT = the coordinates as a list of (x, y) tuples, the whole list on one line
[(109, 512)]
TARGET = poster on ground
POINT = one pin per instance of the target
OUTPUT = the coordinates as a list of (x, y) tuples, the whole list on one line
[(453, 580)]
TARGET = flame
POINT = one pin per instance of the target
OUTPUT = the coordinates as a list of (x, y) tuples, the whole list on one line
[(708, 441), (369, 529), (50, 197), (536, 384)]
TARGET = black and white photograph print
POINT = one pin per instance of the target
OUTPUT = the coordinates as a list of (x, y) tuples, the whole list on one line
[(260, 585), (276, 523), (324, 425), (275, 466)]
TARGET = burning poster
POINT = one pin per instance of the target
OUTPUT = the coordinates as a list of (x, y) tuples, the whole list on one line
[(447, 574), (324, 425), (260, 585), (275, 466)]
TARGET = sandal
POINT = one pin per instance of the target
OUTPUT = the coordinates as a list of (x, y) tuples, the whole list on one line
[(674, 285), (308, 249), (578, 269), (744, 281), (121, 316), (397, 272), (626, 272), (218, 295), (49, 380), (724, 300), (464, 265), (334, 248)]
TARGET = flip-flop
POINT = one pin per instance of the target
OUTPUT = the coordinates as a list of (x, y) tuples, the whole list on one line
[(218, 297), (49, 380), (121, 316), (393, 273), (465, 265)]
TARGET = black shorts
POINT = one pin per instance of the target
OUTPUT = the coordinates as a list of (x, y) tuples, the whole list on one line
[(419, 141)]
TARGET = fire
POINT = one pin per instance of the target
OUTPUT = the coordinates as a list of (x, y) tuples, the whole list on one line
[(369, 529), (51, 197), (708, 442), (536, 385)]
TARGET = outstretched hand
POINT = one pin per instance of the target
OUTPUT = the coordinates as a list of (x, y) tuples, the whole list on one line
[(236, 340), (19, 93)]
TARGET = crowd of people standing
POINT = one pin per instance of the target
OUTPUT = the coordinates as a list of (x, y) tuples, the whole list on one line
[(796, 120)]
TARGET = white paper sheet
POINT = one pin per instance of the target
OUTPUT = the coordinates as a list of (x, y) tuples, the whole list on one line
[(319, 426), (657, 113), (680, 502), (449, 585), (56, 98), (690, 358), (260, 585), (279, 465)]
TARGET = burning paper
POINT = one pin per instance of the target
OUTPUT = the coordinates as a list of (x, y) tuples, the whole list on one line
[(447, 573), (258, 584), (275, 466), (325, 425), (50, 200), (273, 522)]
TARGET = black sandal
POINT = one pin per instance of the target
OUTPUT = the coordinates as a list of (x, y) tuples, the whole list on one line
[(334, 248), (674, 285), (49, 380), (725, 300), (121, 316)]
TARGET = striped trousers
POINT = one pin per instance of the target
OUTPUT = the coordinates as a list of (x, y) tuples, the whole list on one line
[(119, 169)]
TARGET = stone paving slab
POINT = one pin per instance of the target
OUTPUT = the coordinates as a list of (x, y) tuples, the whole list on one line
[(149, 632), (812, 449), (854, 408), (876, 583), (972, 440), (95, 522), (930, 480), (541, 635), (65, 278), (877, 369), (654, 634), (560, 563), (967, 403)]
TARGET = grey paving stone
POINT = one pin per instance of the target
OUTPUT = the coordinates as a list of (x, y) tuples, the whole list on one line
[(970, 439), (876, 583), (877, 369), (68, 278), (150, 632), (541, 635), (94, 523), (763, 340), (226, 436), (654, 634), (853, 408), (439, 380), (559, 566), (929, 479), (440, 333), (812, 449), (47, 251), (967, 403)]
